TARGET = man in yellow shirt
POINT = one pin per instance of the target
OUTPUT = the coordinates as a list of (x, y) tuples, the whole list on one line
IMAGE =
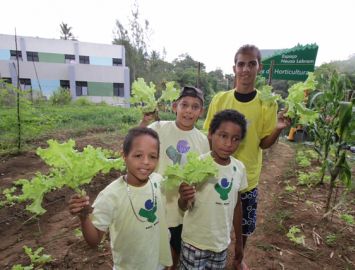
[(263, 126)]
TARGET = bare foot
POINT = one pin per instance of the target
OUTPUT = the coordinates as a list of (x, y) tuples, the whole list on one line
[(244, 266)]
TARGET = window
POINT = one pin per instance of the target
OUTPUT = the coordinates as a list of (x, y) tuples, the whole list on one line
[(118, 89), (32, 56), (25, 84), (65, 84), (6, 80), (116, 62), (13, 55), (69, 58), (84, 59), (81, 89)]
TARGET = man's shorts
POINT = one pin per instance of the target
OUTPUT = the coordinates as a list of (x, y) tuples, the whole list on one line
[(192, 258), (249, 204), (175, 238)]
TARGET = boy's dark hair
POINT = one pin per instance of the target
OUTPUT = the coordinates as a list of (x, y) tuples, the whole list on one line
[(136, 132), (190, 91), (228, 116), (247, 48)]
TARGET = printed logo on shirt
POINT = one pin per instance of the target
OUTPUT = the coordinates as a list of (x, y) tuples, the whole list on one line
[(149, 210), (178, 155), (223, 188)]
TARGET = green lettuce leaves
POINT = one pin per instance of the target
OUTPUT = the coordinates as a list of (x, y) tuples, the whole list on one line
[(194, 171)]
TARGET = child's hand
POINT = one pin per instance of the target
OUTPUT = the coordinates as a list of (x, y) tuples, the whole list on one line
[(187, 196), (78, 204), (148, 118), (187, 192)]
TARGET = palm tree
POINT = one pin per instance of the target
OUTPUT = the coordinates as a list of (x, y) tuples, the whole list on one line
[(65, 31)]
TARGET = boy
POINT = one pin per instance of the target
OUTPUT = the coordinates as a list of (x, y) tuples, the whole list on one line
[(130, 208), (263, 126), (177, 138), (217, 206)]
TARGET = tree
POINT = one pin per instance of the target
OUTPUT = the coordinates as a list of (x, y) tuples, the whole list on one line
[(135, 43), (65, 32)]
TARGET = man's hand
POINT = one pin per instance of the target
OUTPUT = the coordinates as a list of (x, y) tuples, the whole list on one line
[(282, 120)]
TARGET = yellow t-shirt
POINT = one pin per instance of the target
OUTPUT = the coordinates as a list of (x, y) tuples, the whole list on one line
[(139, 236), (174, 146), (208, 224), (261, 121)]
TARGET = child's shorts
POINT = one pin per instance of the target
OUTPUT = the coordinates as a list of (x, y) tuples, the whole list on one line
[(192, 258), (249, 204)]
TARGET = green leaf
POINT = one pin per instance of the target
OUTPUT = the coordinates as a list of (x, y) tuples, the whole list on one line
[(144, 94), (267, 96), (170, 93), (194, 171)]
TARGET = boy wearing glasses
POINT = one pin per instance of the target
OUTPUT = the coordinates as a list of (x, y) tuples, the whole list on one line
[(177, 138)]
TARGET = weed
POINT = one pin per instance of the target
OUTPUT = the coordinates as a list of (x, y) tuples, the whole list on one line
[(331, 239), (295, 236)]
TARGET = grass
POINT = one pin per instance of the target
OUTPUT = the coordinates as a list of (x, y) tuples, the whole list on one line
[(45, 121)]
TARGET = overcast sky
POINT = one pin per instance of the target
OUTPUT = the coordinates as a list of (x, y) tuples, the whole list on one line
[(209, 31)]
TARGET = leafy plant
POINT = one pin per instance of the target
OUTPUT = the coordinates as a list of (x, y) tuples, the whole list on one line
[(68, 168), (308, 179), (331, 239), (61, 96), (144, 95), (302, 159), (78, 233), (37, 259), (194, 171), (295, 101), (349, 219), (267, 96), (294, 235)]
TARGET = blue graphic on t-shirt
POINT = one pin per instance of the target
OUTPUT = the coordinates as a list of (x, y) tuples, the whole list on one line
[(149, 210), (223, 188), (178, 155)]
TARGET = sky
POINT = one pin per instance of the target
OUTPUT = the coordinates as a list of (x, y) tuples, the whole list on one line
[(209, 31)]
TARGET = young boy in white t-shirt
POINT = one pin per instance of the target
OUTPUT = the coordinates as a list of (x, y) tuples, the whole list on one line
[(177, 138), (217, 206)]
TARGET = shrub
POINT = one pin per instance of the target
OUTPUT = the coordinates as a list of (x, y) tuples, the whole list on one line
[(61, 96)]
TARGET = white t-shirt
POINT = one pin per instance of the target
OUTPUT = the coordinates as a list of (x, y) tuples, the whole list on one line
[(208, 224), (138, 232), (174, 146)]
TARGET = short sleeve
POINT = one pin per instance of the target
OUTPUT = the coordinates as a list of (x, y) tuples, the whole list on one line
[(210, 113), (155, 126), (243, 179), (269, 119), (102, 213)]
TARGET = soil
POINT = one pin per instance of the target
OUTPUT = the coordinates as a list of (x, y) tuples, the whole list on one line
[(267, 248)]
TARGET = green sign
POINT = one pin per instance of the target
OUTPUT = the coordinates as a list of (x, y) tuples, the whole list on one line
[(292, 64)]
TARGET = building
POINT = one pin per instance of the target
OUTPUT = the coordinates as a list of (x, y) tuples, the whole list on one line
[(95, 71)]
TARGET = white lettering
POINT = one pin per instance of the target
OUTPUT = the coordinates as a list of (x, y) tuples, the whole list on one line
[(289, 56)]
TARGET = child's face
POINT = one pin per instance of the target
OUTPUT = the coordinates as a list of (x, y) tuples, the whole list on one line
[(141, 159), (225, 141), (188, 110)]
